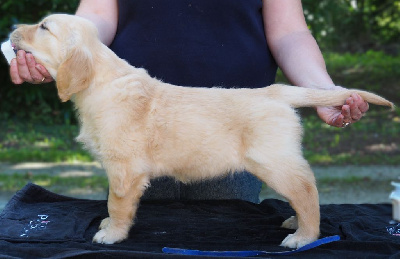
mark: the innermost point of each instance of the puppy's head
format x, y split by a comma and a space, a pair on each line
63, 44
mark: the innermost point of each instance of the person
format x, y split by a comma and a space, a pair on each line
226, 43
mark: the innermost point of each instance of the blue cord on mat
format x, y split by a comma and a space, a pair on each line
180, 251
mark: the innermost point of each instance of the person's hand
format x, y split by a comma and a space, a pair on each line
25, 69
353, 110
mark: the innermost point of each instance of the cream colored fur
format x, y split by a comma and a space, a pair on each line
141, 128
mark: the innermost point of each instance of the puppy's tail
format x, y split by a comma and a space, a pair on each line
306, 97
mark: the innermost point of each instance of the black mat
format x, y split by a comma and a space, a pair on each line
40, 224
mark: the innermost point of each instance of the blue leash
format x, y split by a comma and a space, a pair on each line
180, 251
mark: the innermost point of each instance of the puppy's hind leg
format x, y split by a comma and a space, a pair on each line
126, 188
295, 181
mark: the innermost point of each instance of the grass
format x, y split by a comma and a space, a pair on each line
21, 142
55, 183
373, 140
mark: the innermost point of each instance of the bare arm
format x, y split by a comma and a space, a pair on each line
103, 13
299, 57
294, 48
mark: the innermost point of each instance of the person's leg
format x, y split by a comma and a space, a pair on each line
241, 186
163, 188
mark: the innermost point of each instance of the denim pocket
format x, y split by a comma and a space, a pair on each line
36, 215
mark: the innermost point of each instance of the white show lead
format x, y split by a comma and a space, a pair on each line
8, 51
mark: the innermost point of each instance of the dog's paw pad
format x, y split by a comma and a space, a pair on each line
291, 223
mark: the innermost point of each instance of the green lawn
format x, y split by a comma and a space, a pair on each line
373, 140
22, 142
55, 183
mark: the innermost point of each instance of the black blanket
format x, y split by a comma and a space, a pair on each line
39, 224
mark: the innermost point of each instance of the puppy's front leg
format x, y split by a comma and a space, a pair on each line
126, 189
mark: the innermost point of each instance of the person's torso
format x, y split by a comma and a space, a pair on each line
196, 42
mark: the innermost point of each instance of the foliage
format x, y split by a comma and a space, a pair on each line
28, 11
355, 25
26, 101
373, 71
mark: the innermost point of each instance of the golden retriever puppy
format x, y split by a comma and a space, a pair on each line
141, 128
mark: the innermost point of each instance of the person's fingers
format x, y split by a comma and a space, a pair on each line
45, 73
331, 115
364, 107
338, 121
35, 74
352, 111
23, 69
15, 78
355, 113
359, 102
346, 113
358, 107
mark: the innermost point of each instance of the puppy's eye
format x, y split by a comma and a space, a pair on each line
43, 27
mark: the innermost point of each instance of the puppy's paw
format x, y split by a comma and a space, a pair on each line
104, 223
109, 236
109, 233
296, 240
291, 223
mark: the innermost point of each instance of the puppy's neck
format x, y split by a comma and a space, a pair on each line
110, 67
112, 72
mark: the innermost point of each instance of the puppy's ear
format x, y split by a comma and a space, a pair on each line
74, 74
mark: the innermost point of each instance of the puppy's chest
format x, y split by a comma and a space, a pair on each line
89, 137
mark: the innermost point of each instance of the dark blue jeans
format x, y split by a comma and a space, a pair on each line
242, 186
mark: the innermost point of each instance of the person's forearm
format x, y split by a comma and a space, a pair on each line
300, 59
292, 45
298, 55
104, 14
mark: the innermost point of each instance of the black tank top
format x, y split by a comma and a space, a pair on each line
196, 42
